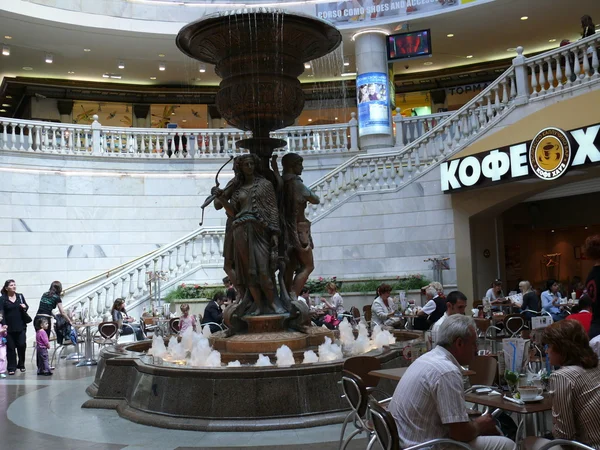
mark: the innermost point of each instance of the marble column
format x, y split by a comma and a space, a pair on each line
371, 56
65, 110
141, 116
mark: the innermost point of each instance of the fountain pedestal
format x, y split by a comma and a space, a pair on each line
265, 324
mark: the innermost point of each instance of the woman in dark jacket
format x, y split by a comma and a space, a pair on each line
51, 300
12, 305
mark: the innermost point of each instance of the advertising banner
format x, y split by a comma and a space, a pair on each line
354, 11
373, 104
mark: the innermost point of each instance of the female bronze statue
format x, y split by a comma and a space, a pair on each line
251, 241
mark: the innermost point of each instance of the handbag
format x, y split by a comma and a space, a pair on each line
24, 315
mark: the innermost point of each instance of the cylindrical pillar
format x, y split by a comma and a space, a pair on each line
374, 114
141, 116
65, 110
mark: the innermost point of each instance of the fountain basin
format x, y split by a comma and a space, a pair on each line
225, 398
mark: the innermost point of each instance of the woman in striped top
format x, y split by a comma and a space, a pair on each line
576, 385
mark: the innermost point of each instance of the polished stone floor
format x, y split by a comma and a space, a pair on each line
45, 412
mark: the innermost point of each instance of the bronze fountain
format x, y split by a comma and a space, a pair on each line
259, 54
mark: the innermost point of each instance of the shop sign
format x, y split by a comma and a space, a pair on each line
358, 11
467, 89
550, 154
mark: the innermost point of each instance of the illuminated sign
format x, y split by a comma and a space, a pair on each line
550, 154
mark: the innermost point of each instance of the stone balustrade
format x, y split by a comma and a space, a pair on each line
96, 140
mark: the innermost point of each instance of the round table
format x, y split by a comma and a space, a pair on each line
88, 358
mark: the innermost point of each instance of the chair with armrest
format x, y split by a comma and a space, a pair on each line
386, 431
174, 325
514, 324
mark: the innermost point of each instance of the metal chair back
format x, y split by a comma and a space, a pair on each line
514, 323
384, 426
355, 392
174, 325
108, 330
361, 366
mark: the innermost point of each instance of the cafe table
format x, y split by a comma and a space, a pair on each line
397, 373
88, 358
498, 402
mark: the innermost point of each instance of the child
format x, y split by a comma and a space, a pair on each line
41, 346
3, 333
186, 320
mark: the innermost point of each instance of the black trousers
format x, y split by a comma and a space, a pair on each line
15, 346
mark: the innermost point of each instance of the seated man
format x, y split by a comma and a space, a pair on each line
584, 316
456, 303
213, 313
552, 300
429, 401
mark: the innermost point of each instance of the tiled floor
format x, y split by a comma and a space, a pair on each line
45, 412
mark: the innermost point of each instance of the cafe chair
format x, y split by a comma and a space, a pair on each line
107, 334
565, 443
514, 324
361, 366
357, 396
124, 338
485, 368
493, 340
386, 431
174, 325
367, 315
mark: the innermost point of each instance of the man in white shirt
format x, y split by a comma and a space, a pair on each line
456, 303
429, 401
433, 309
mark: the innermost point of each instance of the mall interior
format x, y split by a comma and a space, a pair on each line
448, 140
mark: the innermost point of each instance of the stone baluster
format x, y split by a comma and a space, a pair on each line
165, 145
400, 171
147, 267
4, 136
107, 302
202, 137
211, 147
586, 66
119, 142
542, 78
566, 56
550, 75
30, 133
534, 80
124, 286
141, 280
132, 283
488, 110
55, 148
559, 73
576, 66
595, 62
98, 307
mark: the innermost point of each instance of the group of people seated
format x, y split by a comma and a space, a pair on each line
429, 401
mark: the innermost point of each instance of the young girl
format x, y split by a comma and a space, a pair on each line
3, 334
186, 320
41, 347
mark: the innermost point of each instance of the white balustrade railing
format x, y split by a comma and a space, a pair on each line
96, 140
409, 129
564, 68
202, 247
381, 172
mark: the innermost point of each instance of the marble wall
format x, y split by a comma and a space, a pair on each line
388, 234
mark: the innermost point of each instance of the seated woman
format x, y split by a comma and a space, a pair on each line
551, 301
336, 303
531, 301
383, 308
126, 325
495, 294
576, 385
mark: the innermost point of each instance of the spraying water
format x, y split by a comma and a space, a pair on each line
285, 357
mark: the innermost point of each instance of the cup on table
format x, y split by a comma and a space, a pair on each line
529, 392
573, 295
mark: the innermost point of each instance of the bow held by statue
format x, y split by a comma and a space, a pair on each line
215, 191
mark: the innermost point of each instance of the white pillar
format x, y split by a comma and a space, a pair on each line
371, 56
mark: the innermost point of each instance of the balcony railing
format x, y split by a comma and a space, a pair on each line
96, 140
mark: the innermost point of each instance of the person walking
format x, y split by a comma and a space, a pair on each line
51, 300
14, 314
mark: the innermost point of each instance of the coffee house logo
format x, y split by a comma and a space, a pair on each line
550, 154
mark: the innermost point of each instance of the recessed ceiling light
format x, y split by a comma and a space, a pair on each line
2, 110
450, 35
27, 68
335, 118
87, 49
6, 105
161, 67
428, 63
512, 49
121, 65
310, 120
184, 120
311, 75
469, 56
49, 58
347, 74
172, 113
70, 72
161, 55
346, 63
553, 231
8, 37
9, 96
6, 50
202, 68
551, 40
307, 65
524, 18
586, 228
153, 78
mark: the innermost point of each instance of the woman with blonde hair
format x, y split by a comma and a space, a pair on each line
531, 301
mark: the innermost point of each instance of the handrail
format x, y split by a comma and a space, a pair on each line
557, 51
107, 272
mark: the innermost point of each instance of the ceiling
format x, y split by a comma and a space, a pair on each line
484, 32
